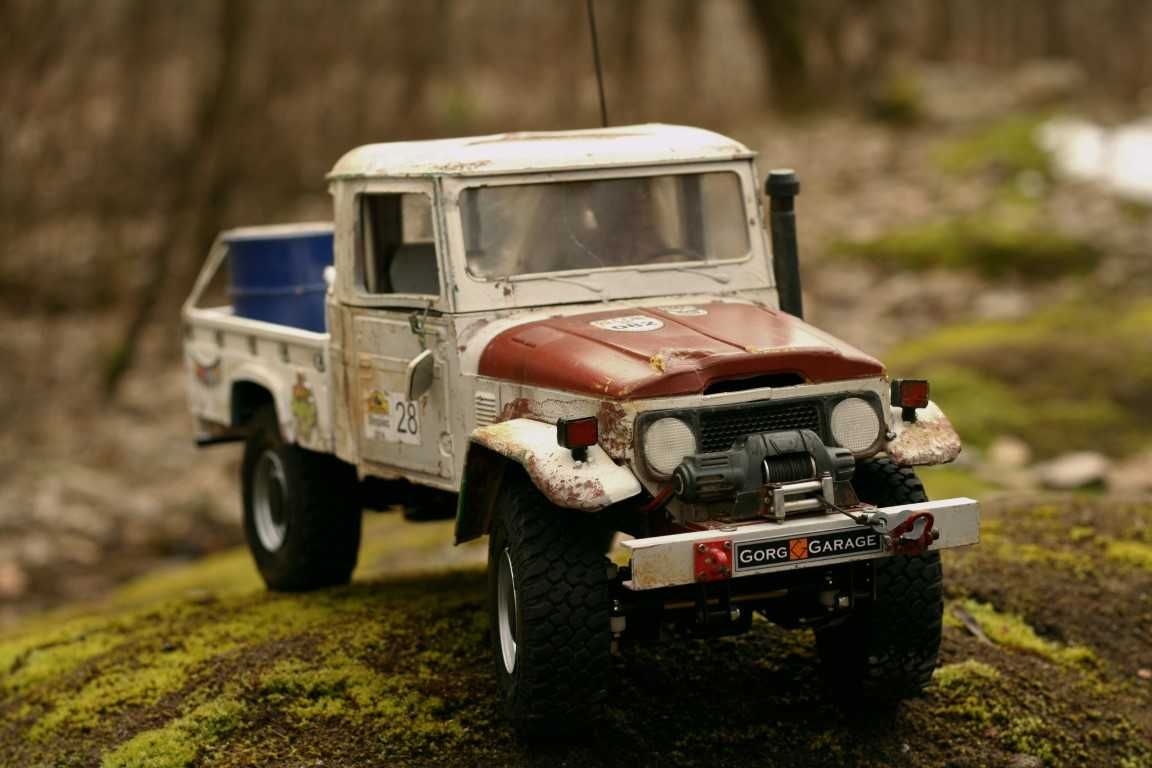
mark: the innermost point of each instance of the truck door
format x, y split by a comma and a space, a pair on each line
392, 319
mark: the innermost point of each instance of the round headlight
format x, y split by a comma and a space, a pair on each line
855, 424
666, 442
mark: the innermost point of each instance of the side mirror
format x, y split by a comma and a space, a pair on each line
418, 377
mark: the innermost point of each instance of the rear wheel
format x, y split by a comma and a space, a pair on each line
889, 647
301, 511
549, 606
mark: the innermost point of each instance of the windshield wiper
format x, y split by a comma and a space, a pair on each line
718, 278
586, 286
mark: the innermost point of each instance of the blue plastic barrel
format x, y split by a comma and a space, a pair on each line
278, 273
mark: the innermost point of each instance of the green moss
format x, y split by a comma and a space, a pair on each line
946, 481
340, 686
1045, 512
997, 243
898, 100
1031, 735
965, 689
1079, 564
995, 378
217, 575
1011, 631
967, 674
161, 660
1080, 533
34, 659
387, 541
390, 672
1008, 146
179, 743
980, 703
1135, 553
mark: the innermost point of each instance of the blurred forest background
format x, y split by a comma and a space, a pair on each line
938, 225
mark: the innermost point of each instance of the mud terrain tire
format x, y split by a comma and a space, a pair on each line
549, 608
888, 648
301, 511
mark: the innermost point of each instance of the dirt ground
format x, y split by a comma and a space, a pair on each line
1046, 661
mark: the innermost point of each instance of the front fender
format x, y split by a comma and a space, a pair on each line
930, 439
588, 485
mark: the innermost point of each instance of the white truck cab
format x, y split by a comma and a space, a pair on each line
561, 337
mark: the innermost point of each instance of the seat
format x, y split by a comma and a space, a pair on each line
413, 269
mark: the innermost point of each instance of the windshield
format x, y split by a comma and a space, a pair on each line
522, 229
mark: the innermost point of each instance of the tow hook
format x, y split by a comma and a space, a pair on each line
914, 535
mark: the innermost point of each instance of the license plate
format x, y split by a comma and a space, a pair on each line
754, 555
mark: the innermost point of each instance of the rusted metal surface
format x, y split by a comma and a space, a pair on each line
531, 152
665, 561
547, 409
634, 352
589, 485
930, 439
616, 428
613, 419
520, 407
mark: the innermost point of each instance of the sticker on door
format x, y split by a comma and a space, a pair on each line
391, 418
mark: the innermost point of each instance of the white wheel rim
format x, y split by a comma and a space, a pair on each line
269, 493
506, 610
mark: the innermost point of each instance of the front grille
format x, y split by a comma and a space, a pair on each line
720, 426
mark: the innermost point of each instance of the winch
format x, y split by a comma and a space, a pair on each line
771, 474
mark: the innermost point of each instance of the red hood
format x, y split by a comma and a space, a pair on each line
677, 350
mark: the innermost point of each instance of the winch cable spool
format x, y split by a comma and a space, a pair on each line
789, 468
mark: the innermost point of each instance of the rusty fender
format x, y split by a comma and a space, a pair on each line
928, 440
588, 485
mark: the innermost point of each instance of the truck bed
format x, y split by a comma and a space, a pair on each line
234, 365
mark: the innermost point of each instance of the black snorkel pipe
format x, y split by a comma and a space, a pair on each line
782, 186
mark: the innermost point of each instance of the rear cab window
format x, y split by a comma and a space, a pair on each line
396, 247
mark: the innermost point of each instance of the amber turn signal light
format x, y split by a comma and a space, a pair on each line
910, 393
577, 435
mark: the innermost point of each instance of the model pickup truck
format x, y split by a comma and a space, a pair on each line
566, 340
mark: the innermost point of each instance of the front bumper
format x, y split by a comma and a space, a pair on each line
808, 542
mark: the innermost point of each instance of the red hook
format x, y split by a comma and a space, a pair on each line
903, 541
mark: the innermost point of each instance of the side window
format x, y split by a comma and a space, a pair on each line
397, 252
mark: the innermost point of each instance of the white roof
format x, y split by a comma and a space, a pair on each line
628, 145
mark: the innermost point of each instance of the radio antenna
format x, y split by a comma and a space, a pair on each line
596, 61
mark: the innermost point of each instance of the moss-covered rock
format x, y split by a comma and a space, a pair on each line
1011, 631
1076, 375
190, 670
1002, 241
1008, 146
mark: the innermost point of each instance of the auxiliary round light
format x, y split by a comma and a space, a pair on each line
855, 424
666, 442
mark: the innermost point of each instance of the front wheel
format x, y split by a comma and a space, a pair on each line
549, 607
890, 645
301, 511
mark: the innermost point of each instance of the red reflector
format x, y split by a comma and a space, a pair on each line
712, 560
577, 433
911, 393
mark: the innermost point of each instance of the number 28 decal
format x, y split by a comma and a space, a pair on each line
389, 417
